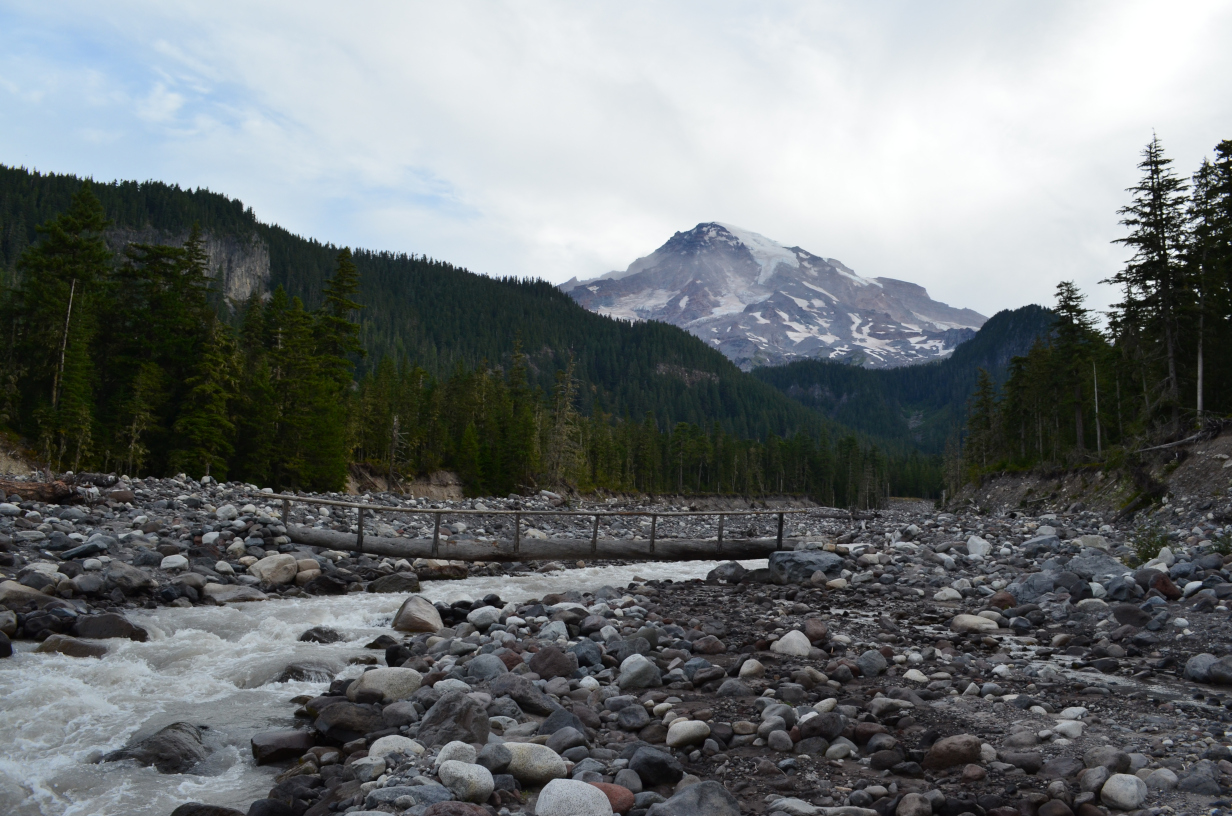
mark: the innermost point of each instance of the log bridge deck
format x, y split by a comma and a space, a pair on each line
537, 549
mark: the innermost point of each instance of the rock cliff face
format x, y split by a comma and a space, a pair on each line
240, 264
762, 303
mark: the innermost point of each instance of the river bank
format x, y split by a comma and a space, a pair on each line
911, 664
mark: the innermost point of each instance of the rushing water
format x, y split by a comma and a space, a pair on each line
210, 666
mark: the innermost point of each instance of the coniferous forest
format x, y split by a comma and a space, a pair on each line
1158, 371
124, 356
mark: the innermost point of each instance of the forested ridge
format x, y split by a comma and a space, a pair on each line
920, 405
128, 360
1157, 371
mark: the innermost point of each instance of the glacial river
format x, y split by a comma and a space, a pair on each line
213, 667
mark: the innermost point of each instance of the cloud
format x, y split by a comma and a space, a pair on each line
978, 149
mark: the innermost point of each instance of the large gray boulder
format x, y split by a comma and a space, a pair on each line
1096, 565
174, 749
797, 566
702, 799
455, 716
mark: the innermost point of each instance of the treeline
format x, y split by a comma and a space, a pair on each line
122, 362
500, 434
1086, 393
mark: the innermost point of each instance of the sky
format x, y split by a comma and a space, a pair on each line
979, 149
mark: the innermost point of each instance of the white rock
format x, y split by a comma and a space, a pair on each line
947, 594
795, 643
209, 538
1073, 713
395, 744
978, 547
572, 797
275, 569
916, 676
470, 783
1070, 729
536, 764
456, 751
174, 562
231, 593
226, 513
1123, 792
751, 669
972, 623
483, 617
687, 732
1191, 588
223, 568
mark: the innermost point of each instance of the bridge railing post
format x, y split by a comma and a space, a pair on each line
436, 536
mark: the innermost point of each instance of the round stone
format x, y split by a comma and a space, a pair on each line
470, 783
1123, 792
687, 732
794, 644
571, 797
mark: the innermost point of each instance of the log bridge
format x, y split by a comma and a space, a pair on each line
543, 549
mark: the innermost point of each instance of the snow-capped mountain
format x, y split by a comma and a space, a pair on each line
761, 303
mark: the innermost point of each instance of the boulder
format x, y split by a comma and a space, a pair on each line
71, 646
637, 672
872, 663
340, 723
455, 716
1096, 565
957, 750
533, 764
794, 644
394, 744
972, 623
1123, 792
682, 733
275, 570
702, 799
523, 692
129, 580
275, 746
798, 566
109, 625
978, 547
470, 783
1030, 588
201, 809
570, 797
619, 798
654, 767
232, 593
551, 662
485, 667
397, 582
174, 749
394, 684
417, 614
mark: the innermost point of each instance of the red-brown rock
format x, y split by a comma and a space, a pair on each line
620, 797
1002, 600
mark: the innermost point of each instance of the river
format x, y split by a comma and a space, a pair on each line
214, 667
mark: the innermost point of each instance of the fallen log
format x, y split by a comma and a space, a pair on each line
46, 492
545, 549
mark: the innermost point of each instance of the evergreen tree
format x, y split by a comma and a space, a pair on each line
1153, 282
204, 428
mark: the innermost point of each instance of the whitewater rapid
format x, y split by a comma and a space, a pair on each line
213, 667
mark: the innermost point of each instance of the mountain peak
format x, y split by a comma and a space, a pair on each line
763, 303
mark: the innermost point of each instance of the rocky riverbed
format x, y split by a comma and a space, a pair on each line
915, 663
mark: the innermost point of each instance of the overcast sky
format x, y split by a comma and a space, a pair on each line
980, 149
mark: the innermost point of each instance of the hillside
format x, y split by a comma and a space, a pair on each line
433, 313
920, 404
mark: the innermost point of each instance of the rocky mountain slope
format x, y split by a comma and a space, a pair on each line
761, 303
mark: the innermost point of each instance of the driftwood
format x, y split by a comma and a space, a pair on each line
544, 549
46, 492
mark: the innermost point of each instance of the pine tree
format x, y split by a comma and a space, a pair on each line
1153, 281
1074, 328
204, 428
